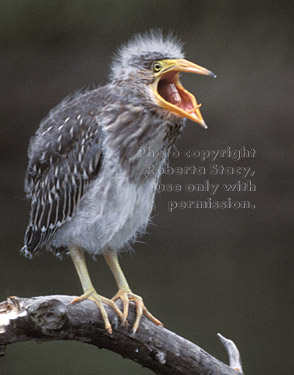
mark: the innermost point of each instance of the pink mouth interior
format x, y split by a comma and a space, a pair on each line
169, 91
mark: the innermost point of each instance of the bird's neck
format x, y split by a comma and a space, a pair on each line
140, 139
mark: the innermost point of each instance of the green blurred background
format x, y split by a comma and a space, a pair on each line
199, 271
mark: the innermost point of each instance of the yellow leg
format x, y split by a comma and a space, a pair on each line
125, 294
90, 293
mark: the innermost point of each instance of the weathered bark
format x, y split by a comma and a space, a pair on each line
162, 351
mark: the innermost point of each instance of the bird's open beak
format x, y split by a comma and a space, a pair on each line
171, 95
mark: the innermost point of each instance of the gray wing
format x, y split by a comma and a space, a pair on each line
64, 157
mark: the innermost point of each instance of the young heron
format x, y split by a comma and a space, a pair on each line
89, 186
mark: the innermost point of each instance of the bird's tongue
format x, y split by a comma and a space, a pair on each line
171, 94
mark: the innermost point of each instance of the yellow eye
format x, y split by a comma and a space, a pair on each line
156, 67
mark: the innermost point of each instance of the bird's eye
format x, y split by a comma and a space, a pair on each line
156, 67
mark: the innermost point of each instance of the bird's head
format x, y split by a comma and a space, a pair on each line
150, 65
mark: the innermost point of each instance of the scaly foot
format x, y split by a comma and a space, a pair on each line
127, 296
92, 295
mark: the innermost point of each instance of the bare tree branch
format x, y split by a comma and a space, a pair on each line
162, 351
233, 353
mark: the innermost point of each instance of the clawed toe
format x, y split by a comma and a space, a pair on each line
126, 297
92, 295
